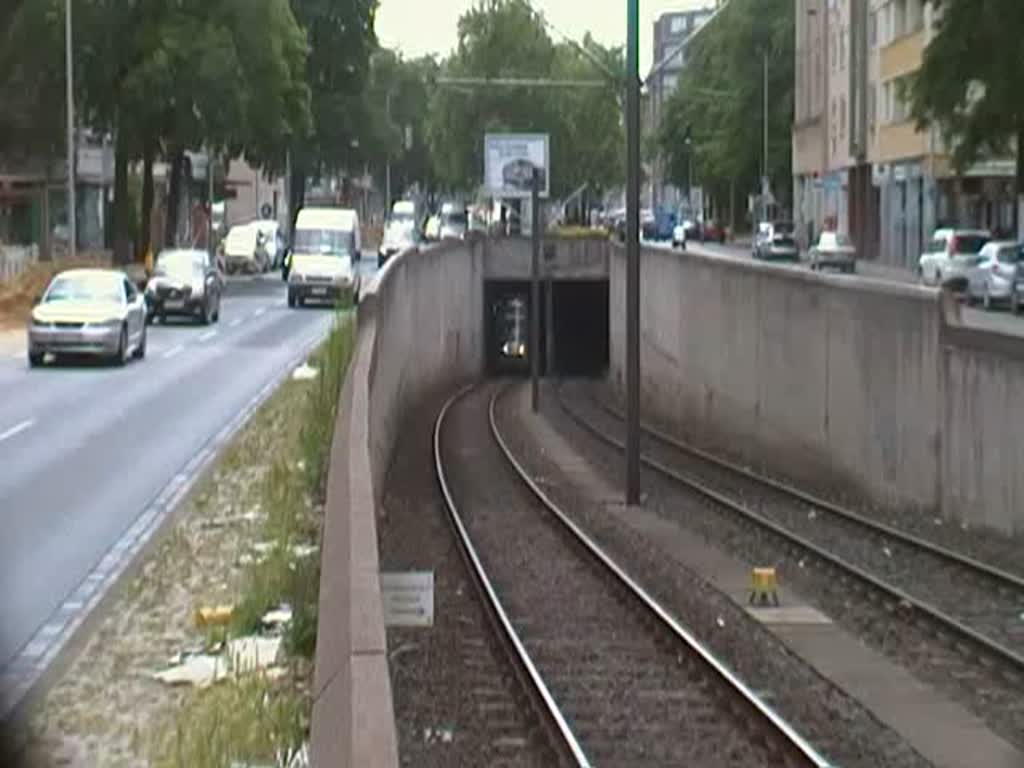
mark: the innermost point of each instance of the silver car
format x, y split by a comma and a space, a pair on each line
185, 283
949, 255
993, 275
834, 250
88, 311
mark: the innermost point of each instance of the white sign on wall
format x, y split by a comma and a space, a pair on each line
408, 598
509, 160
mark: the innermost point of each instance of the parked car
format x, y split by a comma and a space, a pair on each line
685, 231
271, 240
242, 251
776, 241
834, 250
185, 283
995, 273
88, 311
454, 222
950, 253
713, 231
398, 236
320, 264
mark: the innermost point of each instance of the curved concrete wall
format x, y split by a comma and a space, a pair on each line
420, 329
838, 383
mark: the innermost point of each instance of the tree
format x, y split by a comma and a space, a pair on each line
505, 38
341, 39
969, 82
720, 96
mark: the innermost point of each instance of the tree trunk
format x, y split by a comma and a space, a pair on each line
122, 205
174, 197
147, 197
1019, 209
296, 193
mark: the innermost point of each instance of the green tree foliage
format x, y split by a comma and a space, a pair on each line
341, 40
504, 38
970, 80
721, 97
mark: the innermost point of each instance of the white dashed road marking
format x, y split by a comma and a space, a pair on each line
236, 322
173, 352
207, 336
17, 429
260, 311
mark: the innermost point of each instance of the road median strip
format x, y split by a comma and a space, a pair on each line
247, 538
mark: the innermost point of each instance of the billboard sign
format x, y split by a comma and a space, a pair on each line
509, 160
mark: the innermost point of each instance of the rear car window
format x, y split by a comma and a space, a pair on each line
937, 245
970, 243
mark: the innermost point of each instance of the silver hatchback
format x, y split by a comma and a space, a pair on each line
995, 273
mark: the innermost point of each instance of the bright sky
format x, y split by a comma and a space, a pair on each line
418, 27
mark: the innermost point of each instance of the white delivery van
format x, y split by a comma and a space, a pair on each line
321, 265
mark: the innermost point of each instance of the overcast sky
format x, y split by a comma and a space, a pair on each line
418, 27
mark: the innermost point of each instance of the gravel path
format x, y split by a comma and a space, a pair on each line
457, 702
832, 721
900, 635
630, 694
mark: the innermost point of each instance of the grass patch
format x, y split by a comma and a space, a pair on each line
249, 718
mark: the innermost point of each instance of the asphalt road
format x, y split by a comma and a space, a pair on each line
86, 449
999, 320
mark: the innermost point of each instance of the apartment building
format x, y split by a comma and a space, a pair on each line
670, 30
860, 164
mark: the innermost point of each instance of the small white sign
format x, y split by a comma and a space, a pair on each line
408, 598
509, 160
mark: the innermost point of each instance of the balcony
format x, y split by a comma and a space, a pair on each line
899, 141
901, 56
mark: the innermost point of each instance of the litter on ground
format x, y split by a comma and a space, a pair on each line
304, 372
214, 615
278, 617
241, 655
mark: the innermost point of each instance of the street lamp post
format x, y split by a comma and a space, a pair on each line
632, 252
70, 82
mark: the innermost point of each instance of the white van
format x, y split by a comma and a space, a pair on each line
325, 246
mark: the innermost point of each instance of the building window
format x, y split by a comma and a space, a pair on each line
899, 22
668, 84
676, 24
842, 49
900, 108
842, 117
872, 106
873, 29
887, 102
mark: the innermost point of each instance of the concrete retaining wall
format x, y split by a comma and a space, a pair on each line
841, 384
420, 328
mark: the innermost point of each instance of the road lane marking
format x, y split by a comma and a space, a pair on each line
173, 352
260, 311
21, 674
17, 429
208, 335
236, 322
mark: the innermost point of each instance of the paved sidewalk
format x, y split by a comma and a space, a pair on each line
12, 342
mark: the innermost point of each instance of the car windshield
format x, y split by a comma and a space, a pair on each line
970, 243
84, 288
783, 228
179, 263
328, 242
456, 219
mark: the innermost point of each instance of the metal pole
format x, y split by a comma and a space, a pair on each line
535, 295
387, 172
632, 252
765, 185
70, 78
209, 205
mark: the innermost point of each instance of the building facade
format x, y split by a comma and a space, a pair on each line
860, 164
670, 30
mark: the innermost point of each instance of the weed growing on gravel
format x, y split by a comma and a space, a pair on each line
248, 719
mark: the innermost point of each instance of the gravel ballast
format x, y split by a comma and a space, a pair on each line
632, 693
936, 657
457, 701
835, 723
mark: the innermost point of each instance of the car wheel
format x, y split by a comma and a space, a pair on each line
1015, 305
986, 299
140, 351
216, 313
291, 299
35, 359
204, 314
121, 356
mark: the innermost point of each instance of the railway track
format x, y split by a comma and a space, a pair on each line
972, 607
615, 678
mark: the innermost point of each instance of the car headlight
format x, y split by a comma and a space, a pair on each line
113, 322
